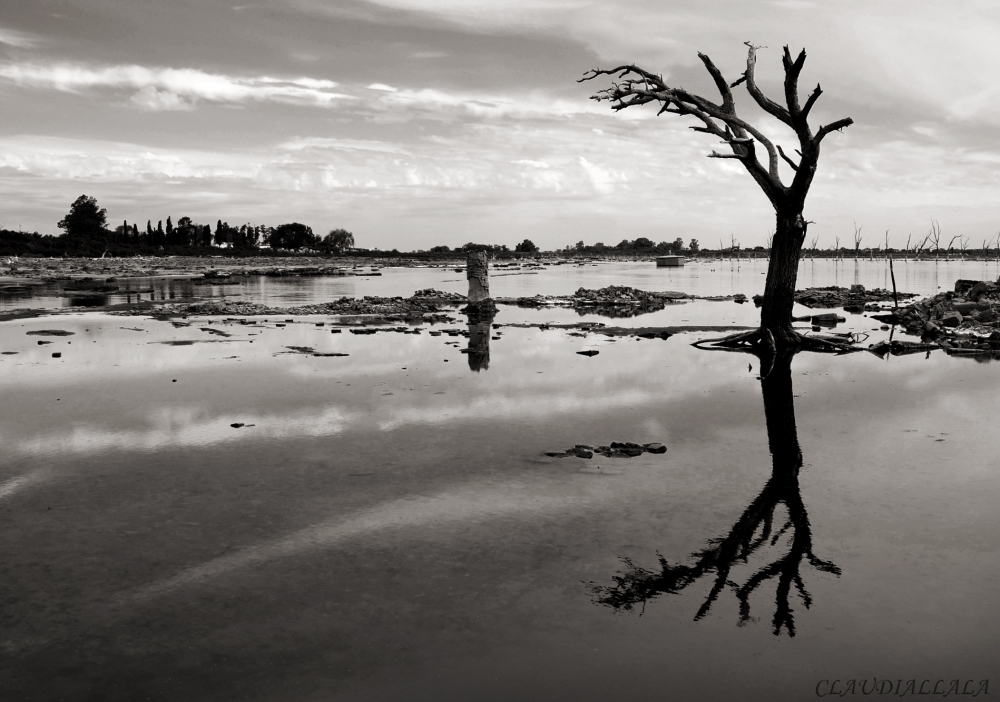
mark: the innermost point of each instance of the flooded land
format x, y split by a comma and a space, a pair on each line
241, 487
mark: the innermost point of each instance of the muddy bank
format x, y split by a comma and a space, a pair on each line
613, 301
60, 269
423, 305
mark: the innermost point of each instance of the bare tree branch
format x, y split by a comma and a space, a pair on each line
790, 162
766, 103
832, 127
810, 101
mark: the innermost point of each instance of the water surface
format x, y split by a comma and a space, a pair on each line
385, 525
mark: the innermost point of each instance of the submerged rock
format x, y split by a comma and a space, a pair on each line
617, 449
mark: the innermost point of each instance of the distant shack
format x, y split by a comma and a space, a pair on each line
670, 261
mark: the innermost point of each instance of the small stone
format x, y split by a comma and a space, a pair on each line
57, 355
589, 352
237, 425
655, 448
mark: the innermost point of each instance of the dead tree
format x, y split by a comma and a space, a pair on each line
756, 528
812, 245
947, 252
637, 86
934, 237
857, 240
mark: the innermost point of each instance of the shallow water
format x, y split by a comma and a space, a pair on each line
702, 277
385, 525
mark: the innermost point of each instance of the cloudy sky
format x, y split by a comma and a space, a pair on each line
421, 122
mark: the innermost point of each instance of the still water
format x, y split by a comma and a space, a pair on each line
386, 526
700, 277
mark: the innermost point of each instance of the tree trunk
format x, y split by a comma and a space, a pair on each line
782, 271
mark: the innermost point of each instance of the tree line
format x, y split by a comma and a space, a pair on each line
86, 233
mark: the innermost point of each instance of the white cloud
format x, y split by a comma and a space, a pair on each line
19, 40
172, 88
604, 180
382, 86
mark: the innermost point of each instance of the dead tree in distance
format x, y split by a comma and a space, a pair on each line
637, 86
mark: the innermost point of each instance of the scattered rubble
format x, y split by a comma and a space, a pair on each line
854, 299
612, 301
959, 316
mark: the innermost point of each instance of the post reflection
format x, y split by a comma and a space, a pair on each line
478, 351
782, 549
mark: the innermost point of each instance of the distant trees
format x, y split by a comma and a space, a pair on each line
489, 248
292, 236
85, 219
87, 233
526, 246
693, 246
338, 241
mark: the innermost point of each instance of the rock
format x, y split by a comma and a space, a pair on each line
854, 308
655, 448
50, 332
57, 355
951, 319
758, 300
237, 425
739, 298
962, 285
588, 352
556, 454
827, 320
978, 290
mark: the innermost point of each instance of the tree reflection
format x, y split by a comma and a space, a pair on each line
755, 530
